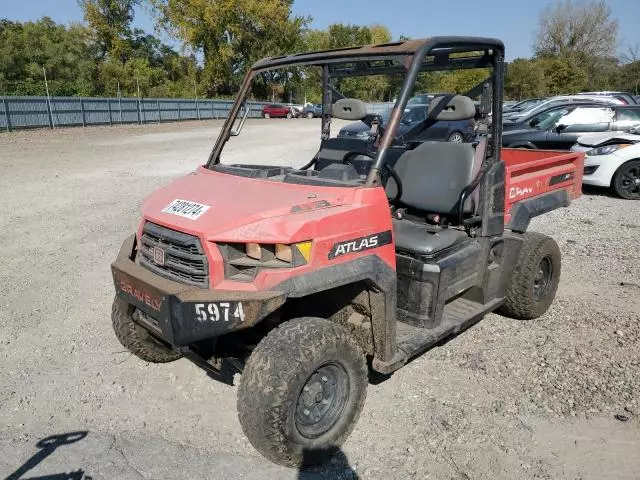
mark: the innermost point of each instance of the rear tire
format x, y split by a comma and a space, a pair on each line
266, 115
626, 180
301, 391
456, 137
309, 115
137, 339
535, 278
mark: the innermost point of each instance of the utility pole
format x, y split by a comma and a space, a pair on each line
195, 91
46, 87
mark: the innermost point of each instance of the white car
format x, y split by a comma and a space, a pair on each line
612, 160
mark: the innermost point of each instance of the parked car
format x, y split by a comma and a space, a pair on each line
297, 108
312, 110
622, 96
456, 131
559, 128
422, 98
517, 107
539, 115
273, 110
558, 100
612, 161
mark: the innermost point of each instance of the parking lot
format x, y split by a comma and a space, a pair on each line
554, 398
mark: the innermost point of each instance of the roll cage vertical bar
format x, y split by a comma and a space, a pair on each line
325, 128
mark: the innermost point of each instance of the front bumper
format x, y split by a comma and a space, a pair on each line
182, 314
602, 168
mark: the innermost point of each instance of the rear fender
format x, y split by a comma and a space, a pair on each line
523, 211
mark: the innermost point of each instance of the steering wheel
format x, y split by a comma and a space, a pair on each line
347, 160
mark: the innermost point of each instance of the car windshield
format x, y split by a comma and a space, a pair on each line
547, 120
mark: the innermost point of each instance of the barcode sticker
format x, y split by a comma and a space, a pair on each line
186, 209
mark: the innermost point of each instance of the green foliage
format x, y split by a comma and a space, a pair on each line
231, 34
76, 65
525, 79
222, 38
109, 21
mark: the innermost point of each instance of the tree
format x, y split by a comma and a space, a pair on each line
578, 30
629, 73
563, 76
525, 78
461, 81
27, 48
231, 34
110, 20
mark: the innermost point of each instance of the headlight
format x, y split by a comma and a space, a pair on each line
242, 261
363, 134
605, 150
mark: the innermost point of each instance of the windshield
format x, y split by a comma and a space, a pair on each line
272, 117
547, 120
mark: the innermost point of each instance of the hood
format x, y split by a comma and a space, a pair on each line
601, 139
207, 203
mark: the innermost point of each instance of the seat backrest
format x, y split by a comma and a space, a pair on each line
458, 107
433, 175
349, 109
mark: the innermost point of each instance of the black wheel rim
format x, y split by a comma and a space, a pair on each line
542, 281
321, 400
630, 181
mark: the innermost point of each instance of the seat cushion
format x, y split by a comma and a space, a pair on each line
424, 239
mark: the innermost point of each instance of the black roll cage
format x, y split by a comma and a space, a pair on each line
409, 58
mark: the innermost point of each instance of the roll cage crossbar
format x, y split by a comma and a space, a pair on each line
409, 58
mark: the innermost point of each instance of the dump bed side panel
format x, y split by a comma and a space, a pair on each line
529, 173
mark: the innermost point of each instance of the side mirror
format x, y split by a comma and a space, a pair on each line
559, 128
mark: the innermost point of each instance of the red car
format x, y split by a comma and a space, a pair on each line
273, 110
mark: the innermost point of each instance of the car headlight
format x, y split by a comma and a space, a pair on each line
363, 134
604, 150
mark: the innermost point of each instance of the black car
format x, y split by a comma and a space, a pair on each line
458, 131
559, 127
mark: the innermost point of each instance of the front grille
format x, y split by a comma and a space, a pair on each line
184, 257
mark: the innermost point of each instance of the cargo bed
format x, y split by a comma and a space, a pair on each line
532, 173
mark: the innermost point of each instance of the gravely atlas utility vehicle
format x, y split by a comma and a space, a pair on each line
306, 279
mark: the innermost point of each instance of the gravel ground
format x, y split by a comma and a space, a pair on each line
553, 398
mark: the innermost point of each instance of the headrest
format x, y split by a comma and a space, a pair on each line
458, 108
349, 109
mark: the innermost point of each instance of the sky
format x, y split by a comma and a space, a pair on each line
512, 21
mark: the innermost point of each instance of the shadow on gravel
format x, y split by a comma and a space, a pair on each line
47, 446
326, 464
599, 192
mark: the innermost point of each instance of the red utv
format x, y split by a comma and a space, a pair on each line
278, 111
306, 277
